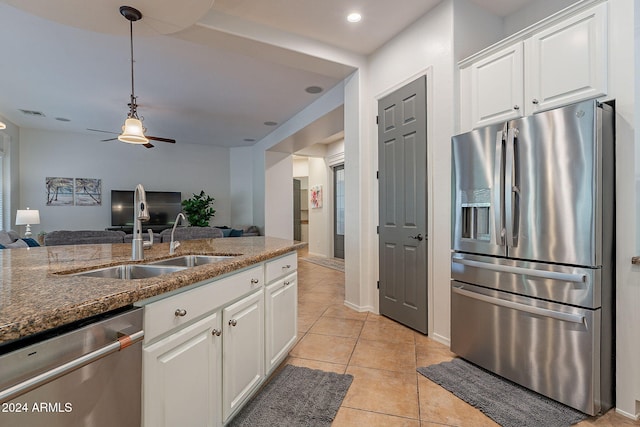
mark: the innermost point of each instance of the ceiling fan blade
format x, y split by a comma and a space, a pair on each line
110, 139
155, 138
148, 145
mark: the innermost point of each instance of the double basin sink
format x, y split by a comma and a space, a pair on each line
153, 269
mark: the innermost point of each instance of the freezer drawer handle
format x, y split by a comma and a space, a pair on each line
59, 371
554, 275
566, 317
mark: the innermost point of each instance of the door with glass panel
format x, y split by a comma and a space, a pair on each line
338, 211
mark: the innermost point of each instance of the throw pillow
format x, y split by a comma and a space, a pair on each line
32, 243
235, 233
5, 238
17, 244
226, 232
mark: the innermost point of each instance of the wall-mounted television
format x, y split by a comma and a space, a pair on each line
163, 207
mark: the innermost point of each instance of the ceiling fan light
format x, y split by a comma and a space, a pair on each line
133, 132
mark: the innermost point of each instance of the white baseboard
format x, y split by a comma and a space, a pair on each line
359, 308
626, 414
442, 340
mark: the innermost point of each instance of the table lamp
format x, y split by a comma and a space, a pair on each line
27, 217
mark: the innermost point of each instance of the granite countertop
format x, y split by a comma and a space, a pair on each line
36, 295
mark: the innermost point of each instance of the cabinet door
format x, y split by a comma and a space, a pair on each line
182, 376
496, 87
281, 317
243, 350
567, 62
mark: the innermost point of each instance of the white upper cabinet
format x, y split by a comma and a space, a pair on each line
567, 62
497, 86
554, 63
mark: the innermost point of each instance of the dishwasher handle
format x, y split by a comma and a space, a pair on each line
26, 386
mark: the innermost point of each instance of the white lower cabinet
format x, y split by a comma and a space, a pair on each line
204, 352
182, 376
281, 301
243, 351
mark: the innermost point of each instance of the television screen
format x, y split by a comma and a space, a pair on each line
163, 207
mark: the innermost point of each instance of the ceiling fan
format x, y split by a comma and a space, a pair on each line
133, 131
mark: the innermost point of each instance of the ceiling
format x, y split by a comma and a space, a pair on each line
203, 72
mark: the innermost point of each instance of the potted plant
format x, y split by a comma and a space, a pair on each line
198, 209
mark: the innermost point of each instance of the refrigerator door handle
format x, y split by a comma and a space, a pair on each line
558, 315
498, 190
509, 186
543, 274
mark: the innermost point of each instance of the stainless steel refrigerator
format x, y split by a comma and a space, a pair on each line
533, 252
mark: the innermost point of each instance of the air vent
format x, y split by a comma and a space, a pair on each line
33, 113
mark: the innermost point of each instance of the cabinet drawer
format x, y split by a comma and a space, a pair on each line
282, 266
178, 310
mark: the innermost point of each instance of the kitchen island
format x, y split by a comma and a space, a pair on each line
37, 292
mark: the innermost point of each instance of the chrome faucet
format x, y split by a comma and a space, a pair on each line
174, 245
141, 213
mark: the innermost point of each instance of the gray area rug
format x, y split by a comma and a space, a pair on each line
297, 396
507, 403
334, 263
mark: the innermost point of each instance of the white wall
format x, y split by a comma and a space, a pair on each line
532, 13
426, 47
279, 200
241, 186
622, 79
187, 168
320, 225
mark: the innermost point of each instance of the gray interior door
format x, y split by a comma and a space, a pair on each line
338, 211
402, 159
297, 223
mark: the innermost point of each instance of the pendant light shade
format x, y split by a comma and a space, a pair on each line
2, 125
133, 132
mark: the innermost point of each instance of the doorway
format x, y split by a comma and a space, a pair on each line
402, 181
338, 211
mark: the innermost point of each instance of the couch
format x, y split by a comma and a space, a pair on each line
191, 233
81, 237
11, 240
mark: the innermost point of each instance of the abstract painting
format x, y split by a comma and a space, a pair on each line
88, 192
59, 191
316, 196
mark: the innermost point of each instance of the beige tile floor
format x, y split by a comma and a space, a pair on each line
382, 356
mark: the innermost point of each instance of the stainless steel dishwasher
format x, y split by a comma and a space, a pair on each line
85, 374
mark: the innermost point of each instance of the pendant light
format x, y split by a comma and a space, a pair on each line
132, 131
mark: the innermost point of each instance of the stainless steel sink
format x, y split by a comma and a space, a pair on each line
131, 271
190, 260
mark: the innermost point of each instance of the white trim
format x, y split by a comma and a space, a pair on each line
530, 30
360, 309
400, 85
634, 417
440, 339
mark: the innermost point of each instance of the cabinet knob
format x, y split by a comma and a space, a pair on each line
216, 332
516, 107
535, 101
180, 312
255, 281
287, 283
288, 266
233, 322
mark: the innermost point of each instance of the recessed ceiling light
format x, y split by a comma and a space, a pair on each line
314, 89
270, 123
354, 17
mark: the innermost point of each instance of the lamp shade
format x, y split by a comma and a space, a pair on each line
133, 132
27, 216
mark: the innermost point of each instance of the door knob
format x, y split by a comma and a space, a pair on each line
418, 237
